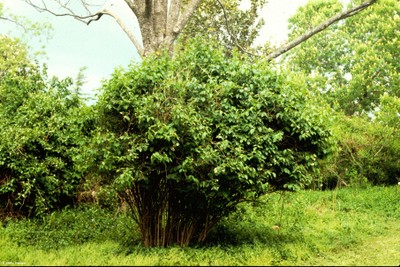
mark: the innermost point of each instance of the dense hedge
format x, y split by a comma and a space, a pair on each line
43, 126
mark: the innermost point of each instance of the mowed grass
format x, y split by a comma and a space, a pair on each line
350, 226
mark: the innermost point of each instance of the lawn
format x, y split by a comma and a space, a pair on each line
349, 226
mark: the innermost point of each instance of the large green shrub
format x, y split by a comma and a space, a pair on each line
192, 136
38, 148
42, 128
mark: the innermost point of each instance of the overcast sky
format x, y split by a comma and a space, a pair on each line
103, 45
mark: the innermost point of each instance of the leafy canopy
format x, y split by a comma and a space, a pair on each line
42, 128
354, 62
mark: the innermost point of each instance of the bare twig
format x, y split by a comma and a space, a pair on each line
125, 28
87, 19
14, 21
230, 32
70, 13
98, 16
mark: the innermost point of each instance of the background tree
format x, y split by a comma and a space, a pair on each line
226, 22
353, 63
18, 74
28, 30
162, 21
354, 67
368, 153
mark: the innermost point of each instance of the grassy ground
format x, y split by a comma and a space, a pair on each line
358, 227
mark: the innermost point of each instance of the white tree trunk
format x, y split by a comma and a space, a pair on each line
161, 21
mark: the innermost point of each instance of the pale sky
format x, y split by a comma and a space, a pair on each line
103, 45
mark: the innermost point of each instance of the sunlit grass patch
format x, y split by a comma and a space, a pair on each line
318, 228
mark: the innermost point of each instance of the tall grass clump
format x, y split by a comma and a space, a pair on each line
73, 226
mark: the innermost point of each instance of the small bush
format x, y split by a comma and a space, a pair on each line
368, 154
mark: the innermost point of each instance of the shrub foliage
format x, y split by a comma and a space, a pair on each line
368, 153
42, 127
194, 135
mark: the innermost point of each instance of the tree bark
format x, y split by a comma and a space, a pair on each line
160, 21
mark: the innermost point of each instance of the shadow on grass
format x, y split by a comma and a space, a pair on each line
77, 226
246, 234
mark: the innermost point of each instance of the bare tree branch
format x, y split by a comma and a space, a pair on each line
230, 32
175, 24
173, 15
44, 8
345, 14
98, 16
169, 25
190, 9
14, 21
125, 28
87, 19
133, 6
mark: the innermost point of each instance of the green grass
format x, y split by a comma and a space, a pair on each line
319, 228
